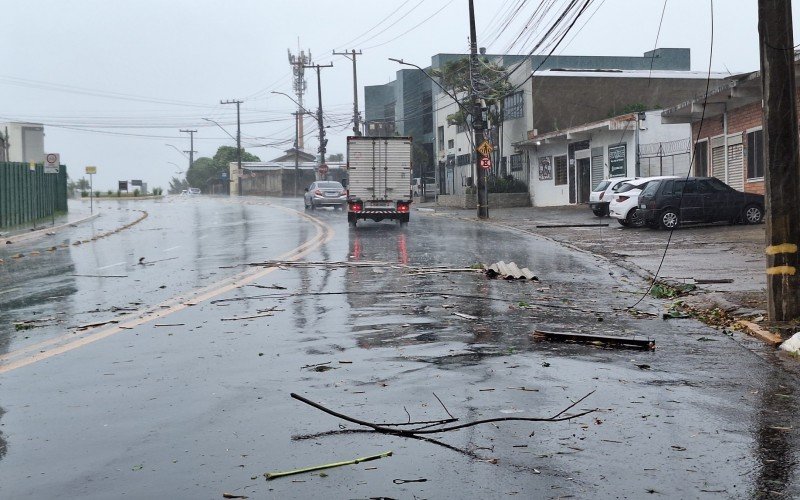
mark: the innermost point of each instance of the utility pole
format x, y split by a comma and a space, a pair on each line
477, 119
297, 118
191, 145
238, 142
782, 172
352, 55
322, 140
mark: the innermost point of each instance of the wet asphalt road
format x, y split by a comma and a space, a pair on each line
190, 401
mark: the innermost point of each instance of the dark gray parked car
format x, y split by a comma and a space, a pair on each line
668, 203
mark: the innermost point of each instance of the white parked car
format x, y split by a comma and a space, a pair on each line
601, 195
625, 203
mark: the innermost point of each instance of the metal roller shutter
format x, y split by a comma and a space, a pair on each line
598, 170
735, 167
718, 163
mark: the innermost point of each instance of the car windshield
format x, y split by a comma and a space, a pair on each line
329, 185
602, 186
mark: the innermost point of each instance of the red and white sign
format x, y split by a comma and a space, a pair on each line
486, 162
323, 169
51, 163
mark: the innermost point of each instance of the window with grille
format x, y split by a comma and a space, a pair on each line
516, 163
560, 170
514, 106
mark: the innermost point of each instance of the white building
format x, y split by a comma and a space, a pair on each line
25, 142
566, 164
454, 144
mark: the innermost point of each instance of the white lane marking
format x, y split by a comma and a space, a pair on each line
111, 265
172, 248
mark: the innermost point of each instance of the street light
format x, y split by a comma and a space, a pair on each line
221, 127
296, 136
178, 150
178, 166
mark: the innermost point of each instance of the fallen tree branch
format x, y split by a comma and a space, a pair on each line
274, 475
415, 432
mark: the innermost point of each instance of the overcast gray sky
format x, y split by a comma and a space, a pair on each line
113, 81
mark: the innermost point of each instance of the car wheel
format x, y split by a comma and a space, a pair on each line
753, 214
623, 222
636, 218
669, 219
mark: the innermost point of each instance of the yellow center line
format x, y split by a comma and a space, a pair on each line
67, 342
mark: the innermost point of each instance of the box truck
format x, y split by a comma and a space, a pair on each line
378, 179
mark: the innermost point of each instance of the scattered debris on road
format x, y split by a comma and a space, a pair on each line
438, 426
93, 325
274, 475
554, 226
600, 340
509, 271
466, 316
792, 344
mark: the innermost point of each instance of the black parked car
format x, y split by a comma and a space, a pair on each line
667, 203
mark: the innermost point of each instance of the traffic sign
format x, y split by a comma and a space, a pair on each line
485, 148
323, 169
91, 170
51, 163
486, 162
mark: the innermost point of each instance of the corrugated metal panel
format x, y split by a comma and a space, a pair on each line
718, 163
379, 168
735, 167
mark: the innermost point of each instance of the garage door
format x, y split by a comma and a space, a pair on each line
735, 167
718, 159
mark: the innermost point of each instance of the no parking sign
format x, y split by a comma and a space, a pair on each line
51, 163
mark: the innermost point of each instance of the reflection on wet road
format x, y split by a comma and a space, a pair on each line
200, 404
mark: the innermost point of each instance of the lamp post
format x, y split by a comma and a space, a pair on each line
300, 111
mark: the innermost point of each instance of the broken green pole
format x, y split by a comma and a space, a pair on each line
275, 475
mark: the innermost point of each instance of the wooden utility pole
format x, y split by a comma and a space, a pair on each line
352, 55
782, 172
238, 142
478, 125
191, 145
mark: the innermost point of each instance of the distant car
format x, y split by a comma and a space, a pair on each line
669, 203
601, 195
193, 191
423, 185
325, 194
625, 203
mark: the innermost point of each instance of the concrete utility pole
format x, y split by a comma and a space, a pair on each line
477, 118
782, 172
191, 145
238, 142
352, 55
322, 140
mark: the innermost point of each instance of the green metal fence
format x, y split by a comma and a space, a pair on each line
28, 194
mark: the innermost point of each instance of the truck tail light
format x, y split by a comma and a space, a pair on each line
402, 207
356, 206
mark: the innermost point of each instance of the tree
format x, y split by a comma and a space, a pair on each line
82, 184
204, 171
177, 185
336, 157
491, 84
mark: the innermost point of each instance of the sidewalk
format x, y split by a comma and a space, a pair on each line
695, 253
78, 211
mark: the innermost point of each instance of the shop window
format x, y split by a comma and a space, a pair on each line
560, 170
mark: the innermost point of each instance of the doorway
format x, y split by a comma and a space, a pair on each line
584, 179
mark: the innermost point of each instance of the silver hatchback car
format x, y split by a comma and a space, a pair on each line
325, 194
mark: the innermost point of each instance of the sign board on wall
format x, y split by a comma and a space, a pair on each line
545, 168
123, 185
136, 182
617, 160
51, 163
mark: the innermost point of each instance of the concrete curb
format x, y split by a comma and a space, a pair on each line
44, 232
